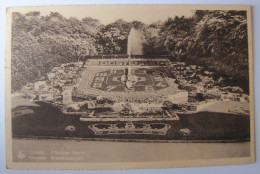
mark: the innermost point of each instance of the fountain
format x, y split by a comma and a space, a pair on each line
135, 43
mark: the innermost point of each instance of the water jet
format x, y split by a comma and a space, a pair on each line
135, 43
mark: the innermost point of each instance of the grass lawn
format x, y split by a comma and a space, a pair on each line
47, 121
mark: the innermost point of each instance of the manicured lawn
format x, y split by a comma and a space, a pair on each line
47, 121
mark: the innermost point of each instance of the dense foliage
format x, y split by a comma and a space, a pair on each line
214, 39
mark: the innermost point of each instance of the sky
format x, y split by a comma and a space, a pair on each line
109, 13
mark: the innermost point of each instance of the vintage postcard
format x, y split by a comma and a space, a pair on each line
128, 86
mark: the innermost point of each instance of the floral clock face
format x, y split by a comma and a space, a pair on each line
136, 80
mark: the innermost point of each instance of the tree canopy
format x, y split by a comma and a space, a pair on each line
215, 39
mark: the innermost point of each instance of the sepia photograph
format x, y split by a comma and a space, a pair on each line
128, 86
